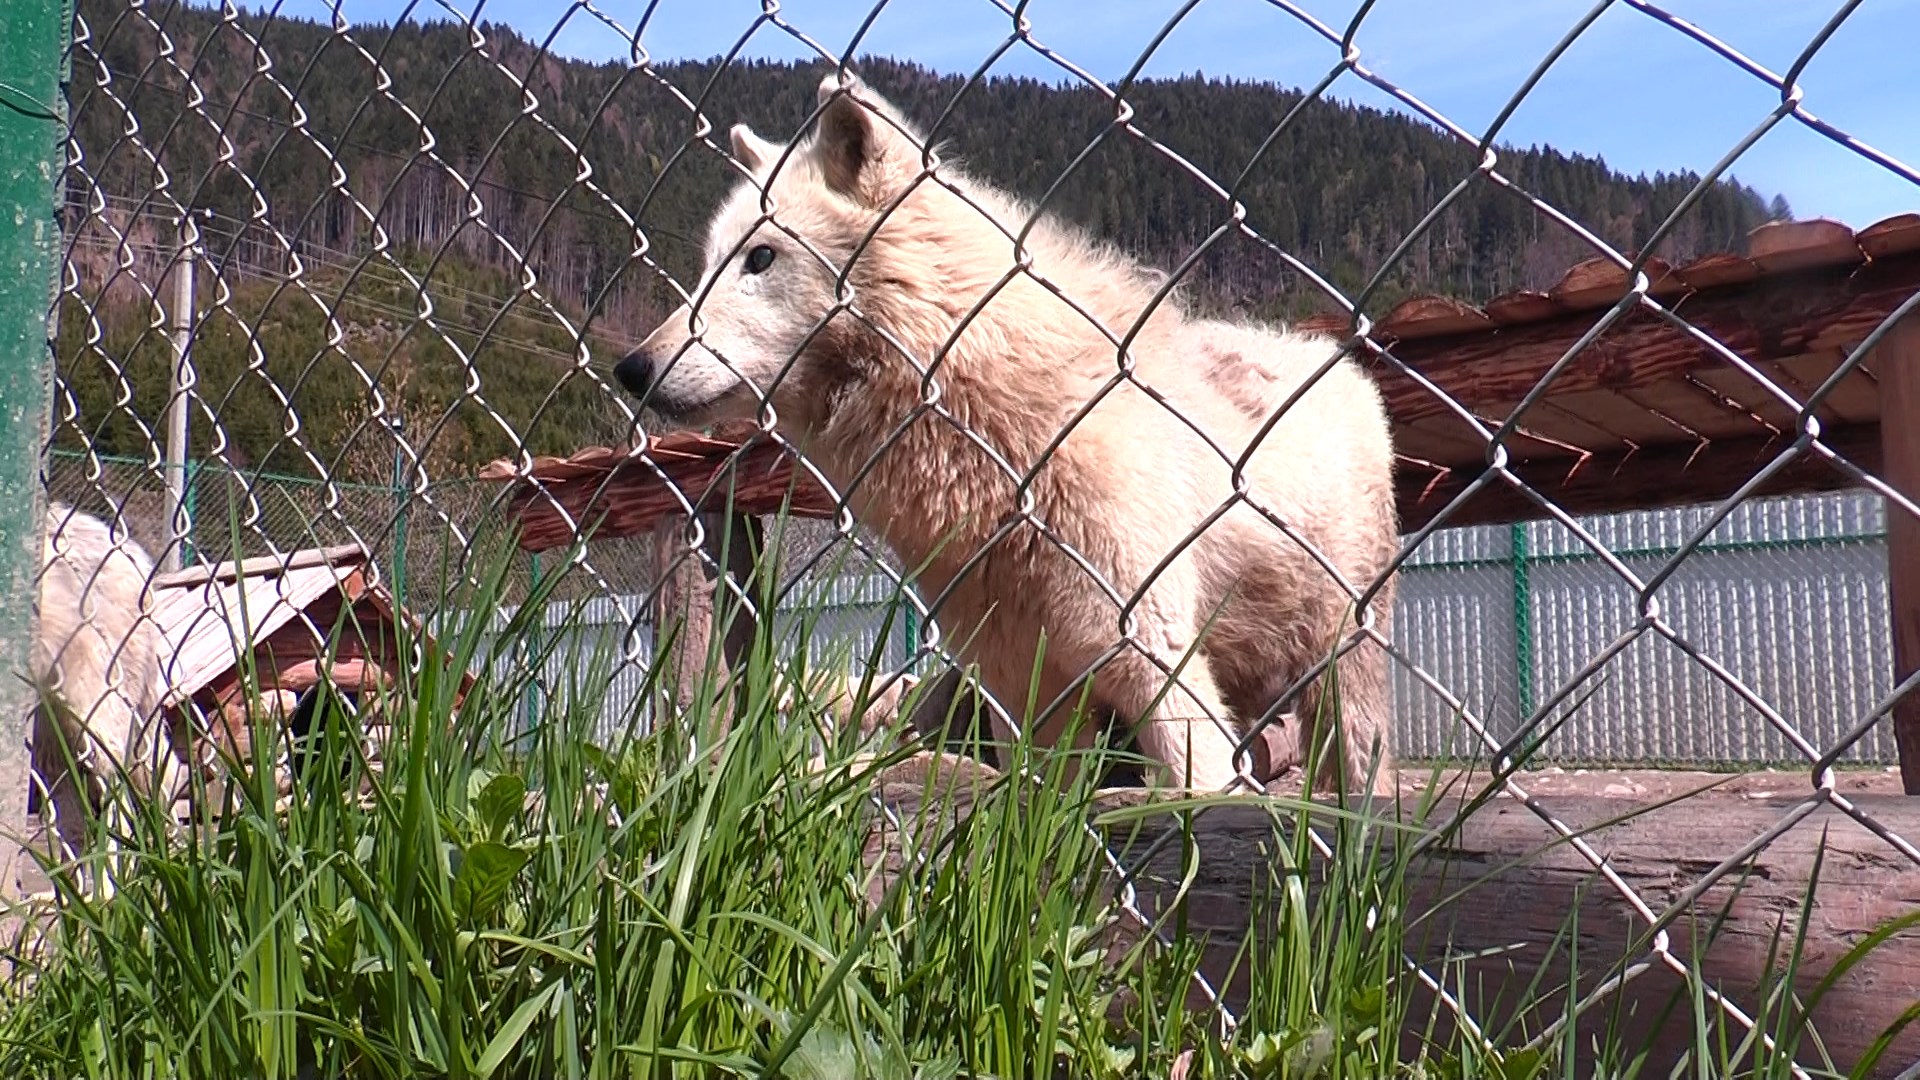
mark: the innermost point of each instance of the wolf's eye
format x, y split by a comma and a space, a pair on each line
759, 259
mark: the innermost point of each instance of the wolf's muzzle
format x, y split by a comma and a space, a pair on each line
636, 372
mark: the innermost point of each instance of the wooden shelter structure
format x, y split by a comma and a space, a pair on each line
300, 619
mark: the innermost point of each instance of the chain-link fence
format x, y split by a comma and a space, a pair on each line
1798, 588
318, 274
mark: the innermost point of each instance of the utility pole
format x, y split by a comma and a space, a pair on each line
179, 525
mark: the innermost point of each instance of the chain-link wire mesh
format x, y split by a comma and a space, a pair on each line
412, 250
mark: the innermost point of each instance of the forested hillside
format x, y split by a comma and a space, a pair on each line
493, 186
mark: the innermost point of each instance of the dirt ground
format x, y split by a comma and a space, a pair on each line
1649, 785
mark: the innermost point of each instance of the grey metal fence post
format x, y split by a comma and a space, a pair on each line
179, 524
33, 120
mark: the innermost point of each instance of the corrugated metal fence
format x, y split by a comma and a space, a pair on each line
1788, 595
595, 649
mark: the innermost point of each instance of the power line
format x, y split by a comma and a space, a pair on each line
363, 303
363, 264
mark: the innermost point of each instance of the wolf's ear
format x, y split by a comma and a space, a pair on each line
864, 147
751, 150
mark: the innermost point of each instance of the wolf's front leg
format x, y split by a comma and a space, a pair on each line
1179, 720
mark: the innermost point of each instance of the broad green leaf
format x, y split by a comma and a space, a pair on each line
486, 872
499, 803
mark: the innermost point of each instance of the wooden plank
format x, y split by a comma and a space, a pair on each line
1558, 419
1523, 306
1432, 316
1653, 477
1896, 235
1703, 411
342, 555
1782, 376
1440, 439
1717, 270
1338, 324
1855, 400
1628, 420
1897, 362
1741, 387
1600, 282
1546, 429
1795, 245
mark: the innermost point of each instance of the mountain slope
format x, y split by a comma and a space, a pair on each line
501, 192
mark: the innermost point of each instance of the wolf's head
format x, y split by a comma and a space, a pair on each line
785, 251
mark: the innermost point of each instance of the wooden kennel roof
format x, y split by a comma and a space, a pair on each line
213, 615
1648, 414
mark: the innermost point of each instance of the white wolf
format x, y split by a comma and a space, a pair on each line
957, 386
97, 656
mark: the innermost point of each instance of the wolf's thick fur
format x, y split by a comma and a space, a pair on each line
1016, 360
97, 654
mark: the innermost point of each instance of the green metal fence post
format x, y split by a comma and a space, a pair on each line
189, 554
1522, 619
33, 121
912, 631
531, 646
402, 501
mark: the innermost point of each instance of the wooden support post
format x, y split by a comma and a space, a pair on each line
1896, 362
735, 542
685, 608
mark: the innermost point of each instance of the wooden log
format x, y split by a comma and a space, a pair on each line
1896, 360
1892, 236
267, 565
1667, 475
1432, 316
1503, 889
1600, 282
1522, 306
1511, 914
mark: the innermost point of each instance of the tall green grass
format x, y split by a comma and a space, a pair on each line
504, 898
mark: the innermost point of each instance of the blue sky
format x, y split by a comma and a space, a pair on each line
1630, 89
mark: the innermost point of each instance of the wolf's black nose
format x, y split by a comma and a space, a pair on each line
635, 372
